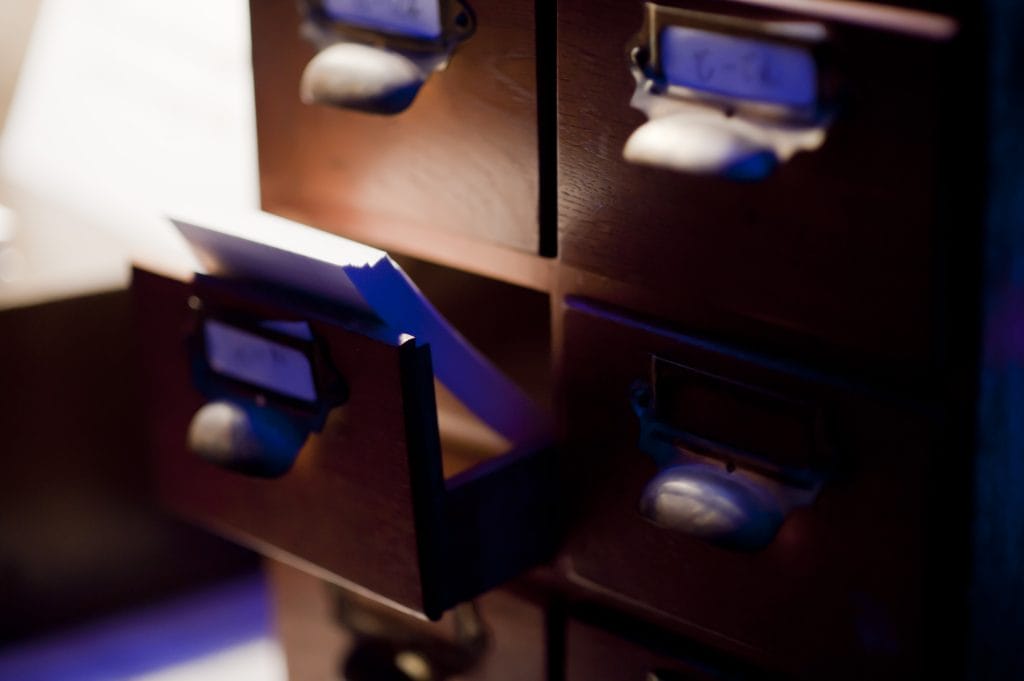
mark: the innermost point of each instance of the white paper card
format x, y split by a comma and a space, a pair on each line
263, 247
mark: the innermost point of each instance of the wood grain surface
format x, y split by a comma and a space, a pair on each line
831, 259
461, 160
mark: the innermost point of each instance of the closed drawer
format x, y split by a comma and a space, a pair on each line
836, 256
461, 160
594, 653
838, 591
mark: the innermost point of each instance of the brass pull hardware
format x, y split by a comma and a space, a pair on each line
374, 57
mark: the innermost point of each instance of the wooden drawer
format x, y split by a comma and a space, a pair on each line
594, 653
462, 160
365, 502
318, 643
838, 593
835, 257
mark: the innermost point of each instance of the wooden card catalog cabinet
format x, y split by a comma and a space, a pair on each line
763, 315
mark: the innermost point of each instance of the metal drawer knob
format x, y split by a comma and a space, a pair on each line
712, 504
248, 439
706, 488
686, 143
374, 56
364, 78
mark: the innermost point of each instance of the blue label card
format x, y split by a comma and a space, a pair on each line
253, 359
411, 18
742, 68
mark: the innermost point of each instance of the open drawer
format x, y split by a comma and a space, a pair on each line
362, 499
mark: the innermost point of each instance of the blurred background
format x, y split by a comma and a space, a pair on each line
113, 113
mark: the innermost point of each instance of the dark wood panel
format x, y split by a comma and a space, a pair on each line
838, 594
316, 645
595, 654
462, 159
833, 258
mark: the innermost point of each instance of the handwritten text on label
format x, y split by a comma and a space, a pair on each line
738, 67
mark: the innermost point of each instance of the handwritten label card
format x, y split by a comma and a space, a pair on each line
412, 18
738, 67
260, 362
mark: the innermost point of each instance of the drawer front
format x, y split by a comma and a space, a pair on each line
833, 256
345, 506
594, 653
462, 158
836, 594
